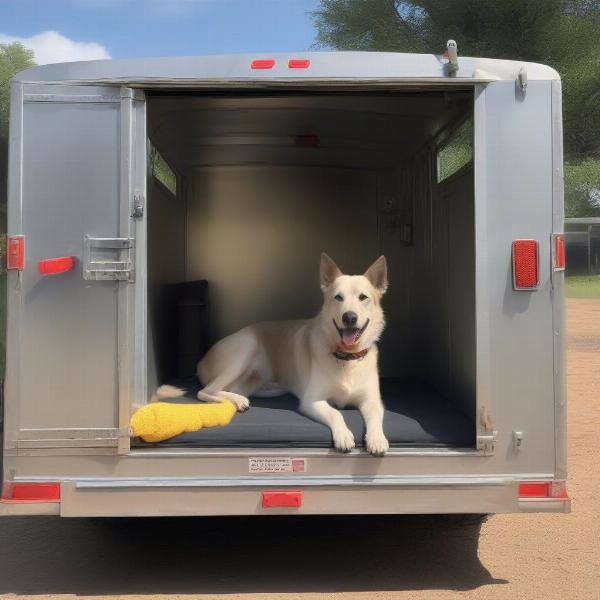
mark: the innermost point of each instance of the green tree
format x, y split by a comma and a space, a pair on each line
13, 58
564, 34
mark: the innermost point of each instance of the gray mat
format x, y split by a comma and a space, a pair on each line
415, 415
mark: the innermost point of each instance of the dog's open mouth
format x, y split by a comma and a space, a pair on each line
350, 335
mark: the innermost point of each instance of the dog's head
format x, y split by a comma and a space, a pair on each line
352, 303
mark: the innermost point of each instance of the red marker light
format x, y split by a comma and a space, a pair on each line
263, 63
32, 492
560, 259
282, 499
525, 265
15, 252
298, 63
54, 266
556, 490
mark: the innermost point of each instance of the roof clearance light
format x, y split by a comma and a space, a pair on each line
298, 63
525, 265
262, 63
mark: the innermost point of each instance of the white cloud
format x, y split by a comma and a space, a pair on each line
53, 47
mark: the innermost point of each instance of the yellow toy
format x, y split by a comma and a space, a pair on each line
161, 420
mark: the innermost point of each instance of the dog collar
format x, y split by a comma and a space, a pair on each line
340, 355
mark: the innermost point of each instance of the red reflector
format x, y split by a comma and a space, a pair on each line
53, 266
15, 252
307, 141
32, 492
268, 63
299, 63
525, 264
282, 498
560, 260
543, 489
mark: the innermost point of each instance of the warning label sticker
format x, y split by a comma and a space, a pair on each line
276, 465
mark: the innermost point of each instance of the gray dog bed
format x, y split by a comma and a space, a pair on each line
415, 415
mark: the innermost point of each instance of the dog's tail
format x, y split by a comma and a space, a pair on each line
168, 391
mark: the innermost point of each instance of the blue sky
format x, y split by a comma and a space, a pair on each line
83, 29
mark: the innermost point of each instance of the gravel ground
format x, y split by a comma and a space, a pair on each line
510, 556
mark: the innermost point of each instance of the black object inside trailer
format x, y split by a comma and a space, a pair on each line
415, 415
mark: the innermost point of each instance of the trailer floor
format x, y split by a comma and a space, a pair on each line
415, 415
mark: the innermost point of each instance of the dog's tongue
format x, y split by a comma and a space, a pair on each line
349, 337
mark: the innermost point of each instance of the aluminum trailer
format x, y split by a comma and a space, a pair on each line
476, 252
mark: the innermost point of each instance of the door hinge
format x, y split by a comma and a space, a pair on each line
486, 441
137, 209
98, 263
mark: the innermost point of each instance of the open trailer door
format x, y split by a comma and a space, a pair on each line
76, 188
515, 192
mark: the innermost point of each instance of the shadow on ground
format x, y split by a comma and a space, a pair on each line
45, 555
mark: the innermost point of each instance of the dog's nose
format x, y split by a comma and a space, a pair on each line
349, 319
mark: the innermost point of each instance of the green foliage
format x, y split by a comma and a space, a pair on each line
160, 169
582, 188
456, 152
582, 286
564, 34
13, 58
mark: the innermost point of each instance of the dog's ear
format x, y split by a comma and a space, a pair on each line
329, 271
377, 275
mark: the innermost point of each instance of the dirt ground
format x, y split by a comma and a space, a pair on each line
549, 557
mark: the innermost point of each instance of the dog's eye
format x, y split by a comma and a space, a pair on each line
362, 297
339, 297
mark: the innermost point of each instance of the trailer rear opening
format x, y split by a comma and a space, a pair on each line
157, 205
245, 192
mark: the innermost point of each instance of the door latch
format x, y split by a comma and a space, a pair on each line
108, 259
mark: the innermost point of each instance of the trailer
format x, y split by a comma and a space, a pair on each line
158, 205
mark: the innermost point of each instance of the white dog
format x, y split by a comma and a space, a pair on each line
327, 361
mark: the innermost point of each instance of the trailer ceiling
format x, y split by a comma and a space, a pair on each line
373, 131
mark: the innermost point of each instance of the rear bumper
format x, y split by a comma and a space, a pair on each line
120, 497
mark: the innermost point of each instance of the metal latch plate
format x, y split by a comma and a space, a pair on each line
486, 442
108, 259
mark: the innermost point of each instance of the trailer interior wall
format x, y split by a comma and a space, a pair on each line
256, 205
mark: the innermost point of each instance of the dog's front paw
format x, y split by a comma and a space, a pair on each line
377, 444
241, 403
343, 440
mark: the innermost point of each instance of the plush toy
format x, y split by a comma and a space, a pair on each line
160, 421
